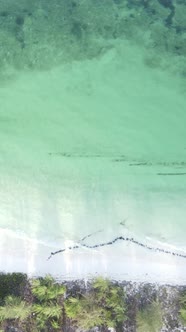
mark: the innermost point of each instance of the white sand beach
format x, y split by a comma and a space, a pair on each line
123, 261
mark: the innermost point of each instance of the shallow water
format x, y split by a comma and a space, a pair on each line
96, 143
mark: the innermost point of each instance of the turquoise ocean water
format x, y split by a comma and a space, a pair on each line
92, 121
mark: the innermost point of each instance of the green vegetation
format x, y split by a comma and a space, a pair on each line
50, 306
150, 319
183, 308
11, 284
104, 305
44, 305
14, 308
15, 311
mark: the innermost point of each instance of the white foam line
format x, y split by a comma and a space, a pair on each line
165, 245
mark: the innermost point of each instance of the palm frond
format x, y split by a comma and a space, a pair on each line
14, 308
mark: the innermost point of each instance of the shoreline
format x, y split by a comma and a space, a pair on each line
121, 261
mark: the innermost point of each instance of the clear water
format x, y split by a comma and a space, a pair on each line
92, 123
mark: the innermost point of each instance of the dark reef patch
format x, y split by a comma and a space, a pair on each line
69, 29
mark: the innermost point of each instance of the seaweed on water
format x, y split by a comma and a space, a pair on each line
116, 239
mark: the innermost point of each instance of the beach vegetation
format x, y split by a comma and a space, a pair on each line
11, 284
48, 307
45, 305
15, 309
150, 319
46, 289
182, 310
102, 306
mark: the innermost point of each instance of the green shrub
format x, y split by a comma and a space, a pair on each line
49, 302
182, 311
150, 319
48, 309
104, 305
45, 289
14, 308
11, 284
